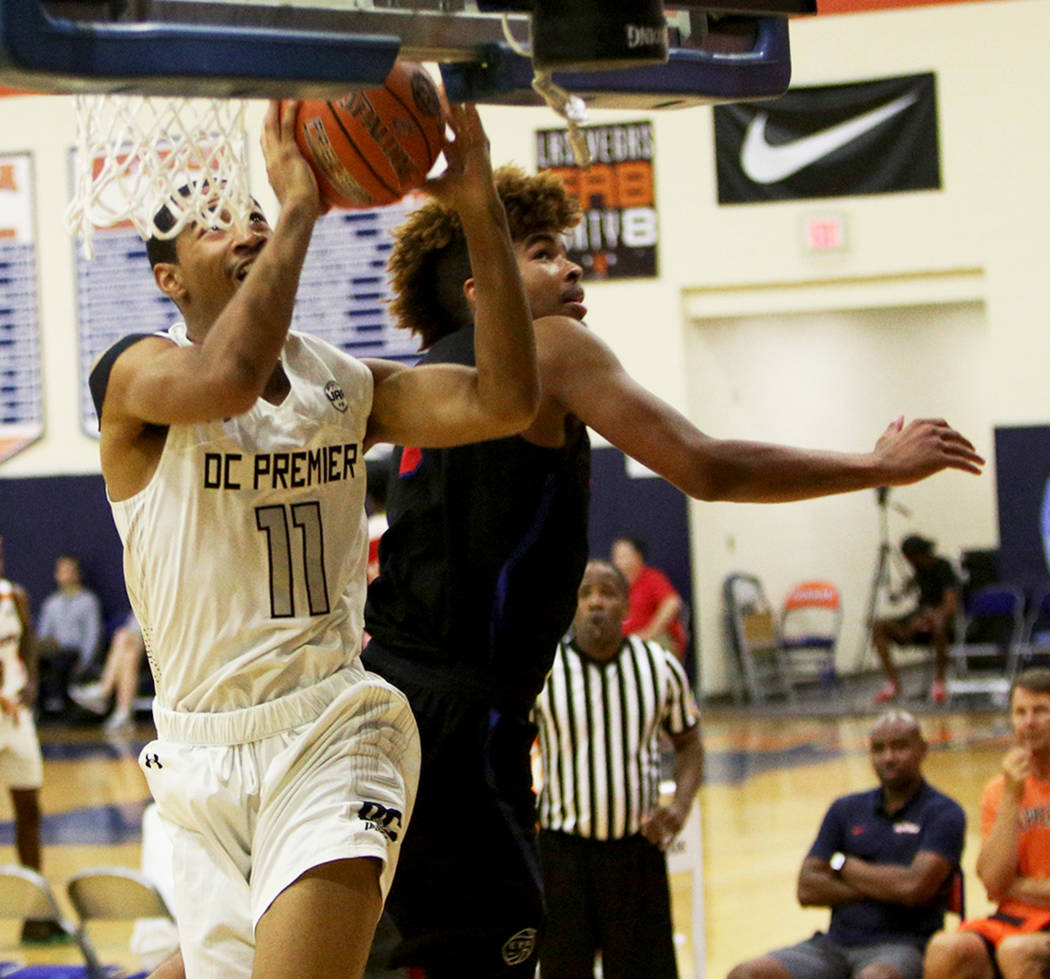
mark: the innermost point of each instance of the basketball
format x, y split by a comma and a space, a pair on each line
372, 147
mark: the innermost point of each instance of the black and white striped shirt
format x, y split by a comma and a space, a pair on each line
598, 735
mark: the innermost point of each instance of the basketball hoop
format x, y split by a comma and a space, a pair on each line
136, 154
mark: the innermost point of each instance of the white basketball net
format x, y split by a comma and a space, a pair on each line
136, 154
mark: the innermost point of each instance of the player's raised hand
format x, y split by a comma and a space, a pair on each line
290, 176
922, 447
467, 179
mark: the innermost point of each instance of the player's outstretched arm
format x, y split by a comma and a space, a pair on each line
585, 378
445, 404
227, 368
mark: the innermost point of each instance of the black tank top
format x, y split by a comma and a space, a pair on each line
484, 552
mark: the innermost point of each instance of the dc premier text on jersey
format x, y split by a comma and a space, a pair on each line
280, 470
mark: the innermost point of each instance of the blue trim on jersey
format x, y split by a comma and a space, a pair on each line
528, 541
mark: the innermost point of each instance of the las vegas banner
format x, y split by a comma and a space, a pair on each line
618, 234
873, 137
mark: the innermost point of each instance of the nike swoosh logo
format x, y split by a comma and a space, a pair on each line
766, 164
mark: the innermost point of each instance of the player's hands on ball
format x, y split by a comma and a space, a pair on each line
290, 176
467, 180
922, 447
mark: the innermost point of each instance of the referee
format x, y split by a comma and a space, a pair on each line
603, 831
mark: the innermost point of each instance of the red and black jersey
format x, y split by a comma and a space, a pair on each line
485, 550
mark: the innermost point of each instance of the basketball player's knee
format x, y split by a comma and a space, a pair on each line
1024, 955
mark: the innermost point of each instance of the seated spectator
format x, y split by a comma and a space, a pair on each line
883, 861
654, 603
21, 764
932, 620
68, 634
119, 682
1014, 863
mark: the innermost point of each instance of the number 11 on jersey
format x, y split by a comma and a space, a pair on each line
275, 523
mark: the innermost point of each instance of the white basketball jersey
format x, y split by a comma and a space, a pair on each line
245, 555
12, 669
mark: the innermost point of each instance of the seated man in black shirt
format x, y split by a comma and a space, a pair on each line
931, 621
884, 862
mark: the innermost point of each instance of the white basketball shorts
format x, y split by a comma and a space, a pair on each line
254, 798
21, 764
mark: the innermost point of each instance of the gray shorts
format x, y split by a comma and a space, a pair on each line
821, 958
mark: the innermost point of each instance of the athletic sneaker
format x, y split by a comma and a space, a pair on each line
888, 691
938, 692
91, 697
119, 722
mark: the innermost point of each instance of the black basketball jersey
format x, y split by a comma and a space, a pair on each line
484, 553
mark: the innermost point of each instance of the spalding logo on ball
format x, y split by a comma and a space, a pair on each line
372, 147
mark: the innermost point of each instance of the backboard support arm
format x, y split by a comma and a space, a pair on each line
38, 51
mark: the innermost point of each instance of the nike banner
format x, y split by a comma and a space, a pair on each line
618, 234
876, 137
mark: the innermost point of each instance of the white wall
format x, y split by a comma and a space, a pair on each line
975, 250
834, 379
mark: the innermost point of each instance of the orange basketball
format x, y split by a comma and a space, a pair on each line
372, 147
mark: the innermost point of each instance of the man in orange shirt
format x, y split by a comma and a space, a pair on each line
1014, 863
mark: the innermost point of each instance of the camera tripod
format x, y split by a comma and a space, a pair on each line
880, 579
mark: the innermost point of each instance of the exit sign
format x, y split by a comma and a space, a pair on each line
825, 233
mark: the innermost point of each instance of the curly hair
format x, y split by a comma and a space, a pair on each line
429, 263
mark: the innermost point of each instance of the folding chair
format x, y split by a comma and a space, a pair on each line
26, 894
984, 656
810, 622
115, 894
752, 627
1035, 642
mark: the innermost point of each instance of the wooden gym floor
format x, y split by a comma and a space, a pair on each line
768, 783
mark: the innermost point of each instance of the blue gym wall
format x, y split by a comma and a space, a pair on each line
41, 517
647, 508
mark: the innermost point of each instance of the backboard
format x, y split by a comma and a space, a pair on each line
237, 48
737, 58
